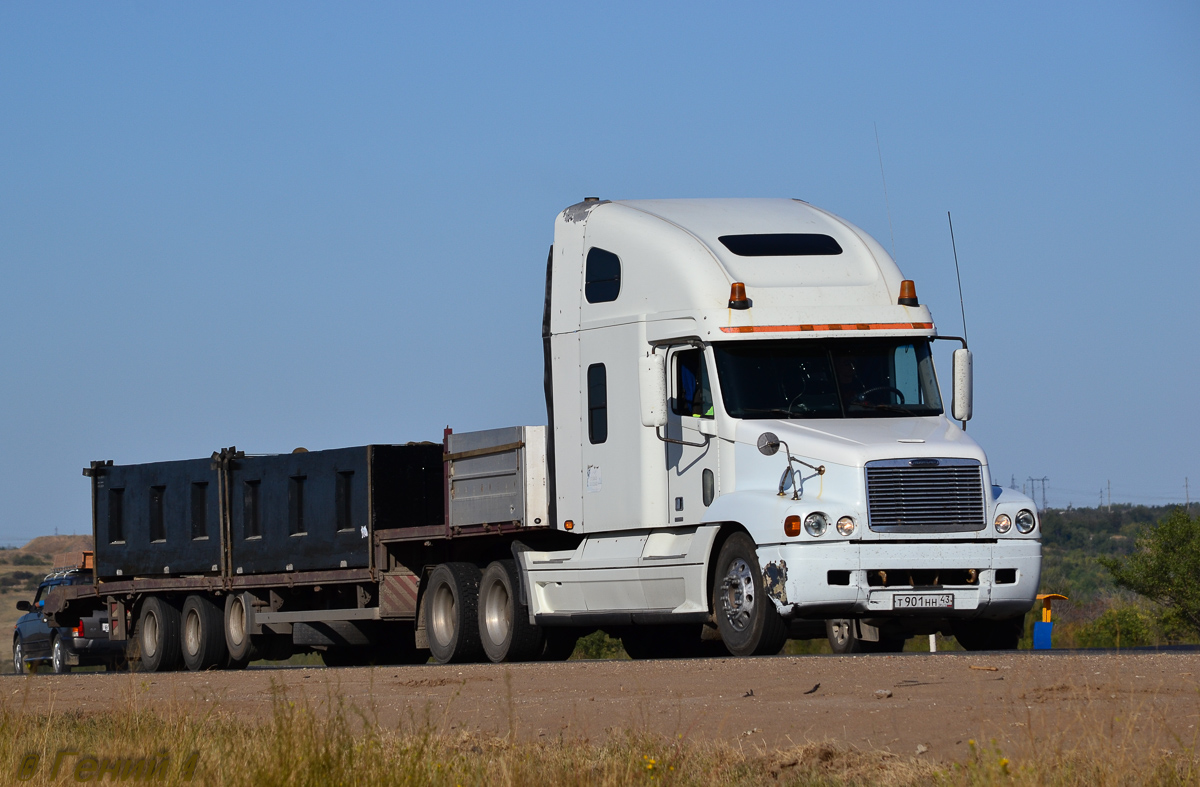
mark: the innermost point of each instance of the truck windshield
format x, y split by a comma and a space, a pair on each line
839, 378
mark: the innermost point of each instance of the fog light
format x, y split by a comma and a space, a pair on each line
845, 526
816, 524
1003, 523
1025, 521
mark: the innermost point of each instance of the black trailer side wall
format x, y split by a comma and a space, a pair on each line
159, 518
287, 512
317, 510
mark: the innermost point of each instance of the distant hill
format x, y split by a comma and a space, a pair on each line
52, 545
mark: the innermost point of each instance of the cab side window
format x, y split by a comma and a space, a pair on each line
693, 396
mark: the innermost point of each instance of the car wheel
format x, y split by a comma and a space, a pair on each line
58, 657
746, 616
19, 665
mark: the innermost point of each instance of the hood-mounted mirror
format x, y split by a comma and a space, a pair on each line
768, 444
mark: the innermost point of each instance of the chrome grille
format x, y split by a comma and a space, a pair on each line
925, 495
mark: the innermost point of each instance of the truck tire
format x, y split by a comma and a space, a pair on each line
158, 635
558, 643
238, 642
203, 635
990, 634
844, 639
746, 616
451, 613
58, 657
504, 628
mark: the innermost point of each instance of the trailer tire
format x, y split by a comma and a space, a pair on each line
238, 642
202, 638
158, 635
746, 617
504, 628
451, 613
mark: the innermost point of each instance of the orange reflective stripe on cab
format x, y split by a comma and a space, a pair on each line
862, 326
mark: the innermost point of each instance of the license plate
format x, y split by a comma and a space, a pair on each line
923, 601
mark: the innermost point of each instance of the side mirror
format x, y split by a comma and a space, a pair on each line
768, 444
652, 386
24, 606
961, 406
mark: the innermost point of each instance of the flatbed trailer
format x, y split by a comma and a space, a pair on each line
327, 551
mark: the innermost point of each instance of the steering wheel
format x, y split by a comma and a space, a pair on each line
861, 398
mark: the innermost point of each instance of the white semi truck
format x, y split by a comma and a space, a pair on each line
746, 442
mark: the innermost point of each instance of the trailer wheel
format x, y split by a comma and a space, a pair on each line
504, 627
452, 619
746, 616
238, 643
203, 636
158, 635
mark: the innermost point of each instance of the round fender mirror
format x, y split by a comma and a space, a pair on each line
768, 444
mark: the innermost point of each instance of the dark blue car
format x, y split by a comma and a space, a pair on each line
35, 642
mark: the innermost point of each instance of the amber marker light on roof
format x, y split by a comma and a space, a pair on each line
908, 293
737, 296
791, 526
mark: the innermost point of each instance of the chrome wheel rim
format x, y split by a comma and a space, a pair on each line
444, 617
737, 597
840, 629
150, 635
497, 613
191, 633
59, 656
18, 658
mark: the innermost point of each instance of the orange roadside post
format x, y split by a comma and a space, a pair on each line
1043, 629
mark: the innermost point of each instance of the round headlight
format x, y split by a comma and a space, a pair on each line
816, 524
1003, 523
1025, 521
845, 526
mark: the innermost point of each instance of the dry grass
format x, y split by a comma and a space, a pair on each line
330, 743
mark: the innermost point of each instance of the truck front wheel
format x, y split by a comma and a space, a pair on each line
504, 628
746, 616
451, 613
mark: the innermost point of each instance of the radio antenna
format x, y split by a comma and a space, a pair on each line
886, 202
959, 275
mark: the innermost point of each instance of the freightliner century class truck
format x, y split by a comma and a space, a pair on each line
746, 442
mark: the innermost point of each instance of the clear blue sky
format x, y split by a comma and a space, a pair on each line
274, 225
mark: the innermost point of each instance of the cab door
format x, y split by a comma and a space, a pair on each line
691, 429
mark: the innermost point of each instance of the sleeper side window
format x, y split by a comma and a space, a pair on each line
602, 276
693, 395
597, 388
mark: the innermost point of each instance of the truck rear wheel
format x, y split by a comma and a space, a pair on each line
504, 628
158, 635
203, 636
746, 616
990, 634
451, 613
238, 643
843, 638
